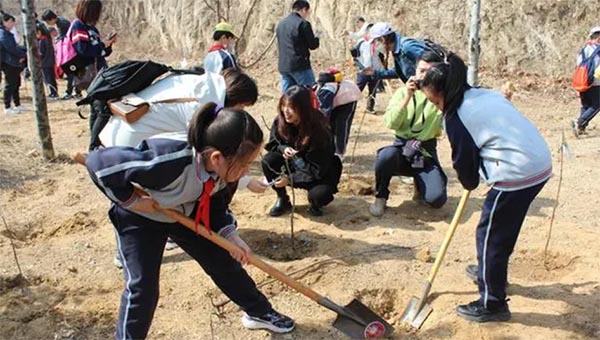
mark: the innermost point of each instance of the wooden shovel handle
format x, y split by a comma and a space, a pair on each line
442, 252
252, 259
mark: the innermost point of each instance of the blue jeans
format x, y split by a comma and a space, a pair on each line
304, 77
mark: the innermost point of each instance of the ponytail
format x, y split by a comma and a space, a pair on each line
232, 132
449, 79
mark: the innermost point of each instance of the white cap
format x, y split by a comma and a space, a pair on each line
594, 30
379, 30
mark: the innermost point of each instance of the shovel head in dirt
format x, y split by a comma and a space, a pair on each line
416, 312
371, 326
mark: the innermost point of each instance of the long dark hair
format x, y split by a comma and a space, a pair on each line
232, 132
448, 78
239, 88
313, 128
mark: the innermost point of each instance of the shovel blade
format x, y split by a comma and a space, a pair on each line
375, 327
414, 316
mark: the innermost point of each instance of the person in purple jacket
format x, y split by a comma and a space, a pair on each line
47, 56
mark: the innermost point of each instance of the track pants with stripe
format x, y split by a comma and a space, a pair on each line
341, 122
501, 220
141, 243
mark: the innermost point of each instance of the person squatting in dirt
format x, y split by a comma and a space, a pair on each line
490, 139
219, 55
301, 141
337, 99
417, 123
179, 171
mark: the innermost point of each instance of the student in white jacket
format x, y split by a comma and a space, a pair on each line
490, 139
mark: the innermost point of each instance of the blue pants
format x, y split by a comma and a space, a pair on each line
590, 105
497, 232
430, 180
304, 77
141, 242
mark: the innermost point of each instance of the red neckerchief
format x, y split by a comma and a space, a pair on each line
216, 47
203, 209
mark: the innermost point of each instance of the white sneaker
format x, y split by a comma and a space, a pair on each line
272, 321
170, 245
117, 261
11, 111
378, 207
22, 108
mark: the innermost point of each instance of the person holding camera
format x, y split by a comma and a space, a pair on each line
416, 123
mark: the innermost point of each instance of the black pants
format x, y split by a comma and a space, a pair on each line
70, 87
99, 117
497, 232
12, 77
431, 181
362, 81
341, 122
141, 243
590, 105
320, 193
50, 80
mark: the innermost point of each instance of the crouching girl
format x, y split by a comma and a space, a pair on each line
301, 141
174, 171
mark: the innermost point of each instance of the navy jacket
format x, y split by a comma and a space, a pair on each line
11, 52
295, 38
168, 169
46, 52
63, 25
88, 44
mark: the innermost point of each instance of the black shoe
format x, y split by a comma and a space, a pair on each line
472, 271
315, 211
281, 206
475, 311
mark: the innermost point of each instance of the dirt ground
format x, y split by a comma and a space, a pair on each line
65, 243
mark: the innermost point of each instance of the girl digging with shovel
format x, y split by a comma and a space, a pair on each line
175, 171
490, 138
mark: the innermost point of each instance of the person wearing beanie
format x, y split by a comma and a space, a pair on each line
219, 58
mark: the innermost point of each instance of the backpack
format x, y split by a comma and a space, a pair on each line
584, 72
121, 79
115, 82
66, 57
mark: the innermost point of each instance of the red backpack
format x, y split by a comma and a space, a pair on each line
584, 72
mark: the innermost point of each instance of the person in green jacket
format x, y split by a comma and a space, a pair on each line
416, 123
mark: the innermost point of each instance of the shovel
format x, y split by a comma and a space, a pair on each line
355, 320
418, 309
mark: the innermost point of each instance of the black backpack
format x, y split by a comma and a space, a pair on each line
117, 81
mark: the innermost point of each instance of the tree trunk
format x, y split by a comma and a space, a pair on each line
474, 48
39, 96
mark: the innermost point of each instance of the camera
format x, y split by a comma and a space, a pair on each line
418, 83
